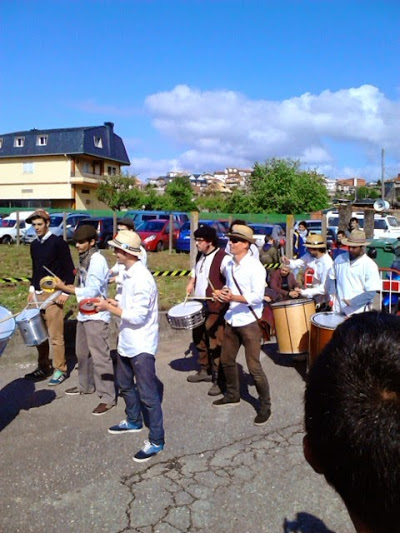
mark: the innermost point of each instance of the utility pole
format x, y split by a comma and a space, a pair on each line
383, 174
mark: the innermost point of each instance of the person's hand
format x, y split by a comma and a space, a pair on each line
294, 294
267, 299
285, 260
30, 297
102, 304
60, 300
190, 287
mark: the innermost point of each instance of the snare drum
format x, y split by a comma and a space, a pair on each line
48, 284
87, 306
292, 325
32, 327
187, 315
322, 327
7, 328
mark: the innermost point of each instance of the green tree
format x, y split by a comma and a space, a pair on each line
240, 202
280, 185
119, 192
213, 203
179, 195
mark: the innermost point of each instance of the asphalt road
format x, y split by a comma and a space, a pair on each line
63, 472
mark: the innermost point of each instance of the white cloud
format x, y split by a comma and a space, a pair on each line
215, 129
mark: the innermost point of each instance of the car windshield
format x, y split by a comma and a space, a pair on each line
55, 221
261, 230
392, 221
8, 223
152, 225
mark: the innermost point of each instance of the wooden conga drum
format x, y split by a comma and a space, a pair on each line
322, 327
292, 325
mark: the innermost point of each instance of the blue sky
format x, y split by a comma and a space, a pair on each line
202, 85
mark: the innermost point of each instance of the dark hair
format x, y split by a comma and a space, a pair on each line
267, 237
353, 219
303, 223
352, 417
237, 221
342, 232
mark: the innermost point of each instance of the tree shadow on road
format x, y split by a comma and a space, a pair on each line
271, 351
20, 395
305, 523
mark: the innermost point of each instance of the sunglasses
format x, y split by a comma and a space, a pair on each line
234, 240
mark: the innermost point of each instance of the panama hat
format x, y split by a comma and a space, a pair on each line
315, 241
128, 241
242, 232
356, 238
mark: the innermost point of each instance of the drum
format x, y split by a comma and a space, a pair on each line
7, 327
292, 325
187, 315
322, 327
87, 306
32, 327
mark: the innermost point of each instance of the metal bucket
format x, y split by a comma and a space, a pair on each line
32, 327
7, 328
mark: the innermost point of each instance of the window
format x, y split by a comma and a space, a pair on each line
28, 168
85, 191
87, 168
111, 171
19, 142
98, 142
41, 140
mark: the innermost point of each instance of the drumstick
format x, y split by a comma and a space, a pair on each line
8, 317
211, 285
50, 272
199, 298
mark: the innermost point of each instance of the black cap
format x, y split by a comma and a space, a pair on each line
128, 222
205, 232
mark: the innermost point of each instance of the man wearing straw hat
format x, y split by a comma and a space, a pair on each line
207, 276
320, 262
137, 346
356, 276
51, 252
244, 291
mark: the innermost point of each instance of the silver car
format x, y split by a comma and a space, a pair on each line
57, 226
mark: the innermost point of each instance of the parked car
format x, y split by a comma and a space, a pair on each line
385, 225
261, 230
57, 226
183, 240
8, 227
139, 217
315, 226
104, 227
155, 234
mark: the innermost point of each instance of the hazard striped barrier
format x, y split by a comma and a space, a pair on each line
15, 280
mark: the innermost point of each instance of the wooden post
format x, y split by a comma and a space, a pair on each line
115, 222
369, 223
289, 236
171, 232
194, 224
18, 230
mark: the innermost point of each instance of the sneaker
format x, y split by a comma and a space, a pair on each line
148, 451
214, 390
75, 391
57, 378
101, 409
224, 402
262, 417
39, 374
201, 375
126, 427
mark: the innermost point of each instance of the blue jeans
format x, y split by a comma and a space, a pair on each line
139, 388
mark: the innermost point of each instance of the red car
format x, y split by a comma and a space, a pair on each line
155, 234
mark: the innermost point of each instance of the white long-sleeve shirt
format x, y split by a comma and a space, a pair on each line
139, 319
250, 276
320, 282
202, 271
356, 281
118, 271
94, 286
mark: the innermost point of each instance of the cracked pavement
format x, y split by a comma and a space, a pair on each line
63, 472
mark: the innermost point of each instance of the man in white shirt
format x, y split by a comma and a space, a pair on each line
356, 276
95, 367
207, 276
137, 346
321, 263
245, 280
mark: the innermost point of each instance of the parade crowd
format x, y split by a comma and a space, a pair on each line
237, 292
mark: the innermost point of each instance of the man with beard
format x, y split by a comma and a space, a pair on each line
356, 276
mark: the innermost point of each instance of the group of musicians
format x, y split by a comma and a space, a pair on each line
233, 287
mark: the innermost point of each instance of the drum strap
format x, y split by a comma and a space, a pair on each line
241, 293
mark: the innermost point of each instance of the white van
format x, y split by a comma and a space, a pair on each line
8, 226
385, 225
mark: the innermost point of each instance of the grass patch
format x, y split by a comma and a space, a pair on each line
16, 262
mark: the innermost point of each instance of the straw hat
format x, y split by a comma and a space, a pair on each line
356, 238
126, 240
242, 232
315, 241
